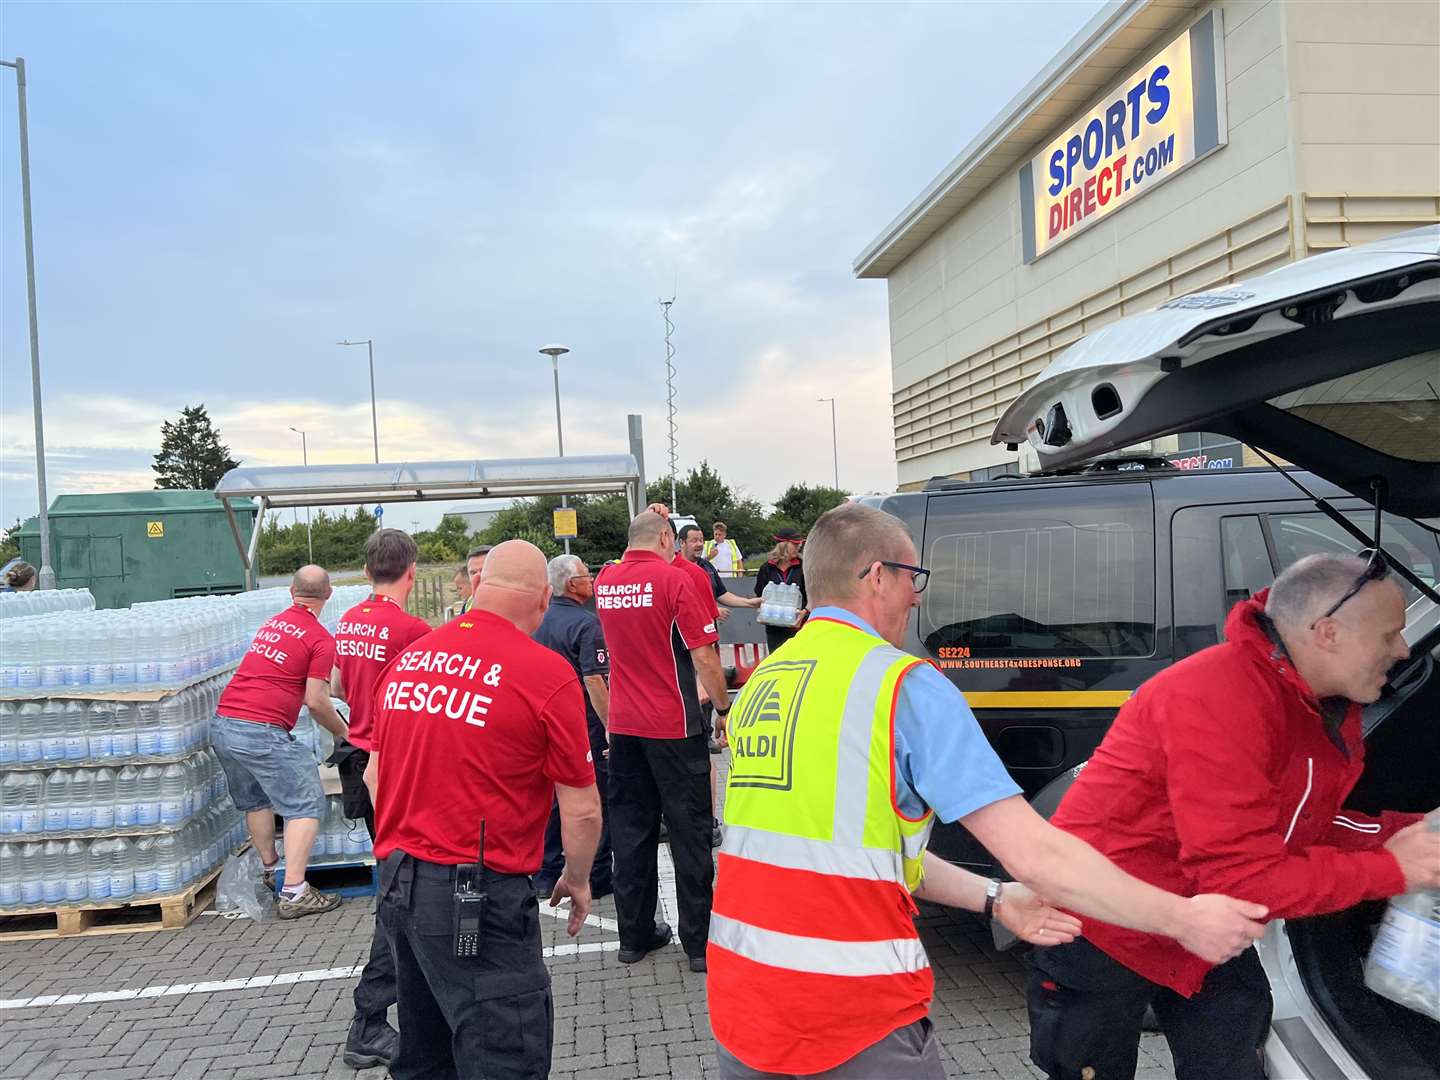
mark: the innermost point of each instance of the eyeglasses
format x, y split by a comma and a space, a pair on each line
919, 576
1376, 568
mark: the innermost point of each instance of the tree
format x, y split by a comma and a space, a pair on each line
10, 546
801, 505
191, 453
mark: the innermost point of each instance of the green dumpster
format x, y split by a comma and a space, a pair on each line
131, 546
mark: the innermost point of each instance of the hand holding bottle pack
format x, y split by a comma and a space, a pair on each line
1404, 961
779, 605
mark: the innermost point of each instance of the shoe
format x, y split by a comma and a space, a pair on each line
697, 963
716, 838
310, 902
267, 875
659, 940
371, 1042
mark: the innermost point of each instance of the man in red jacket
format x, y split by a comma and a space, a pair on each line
1228, 773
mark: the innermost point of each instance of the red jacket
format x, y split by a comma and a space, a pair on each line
1219, 776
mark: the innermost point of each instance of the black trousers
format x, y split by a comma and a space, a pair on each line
602, 872
375, 992
648, 777
487, 1017
1086, 1010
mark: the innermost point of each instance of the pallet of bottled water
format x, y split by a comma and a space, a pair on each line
17, 605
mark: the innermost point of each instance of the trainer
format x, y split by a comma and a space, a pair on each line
478, 729
661, 636
288, 665
1228, 772
572, 630
846, 749
368, 637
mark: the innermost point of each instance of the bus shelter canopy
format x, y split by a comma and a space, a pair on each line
283, 486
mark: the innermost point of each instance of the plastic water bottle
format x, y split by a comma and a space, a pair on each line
82, 800
122, 653
147, 802
147, 728
52, 888
98, 870
127, 797
77, 736
100, 669
70, 642
29, 720
77, 864
8, 672
23, 799
23, 650
172, 794
127, 721
167, 865
32, 874
100, 724
355, 838
9, 734
9, 875
57, 800
170, 725
147, 654
334, 829
52, 730
143, 857
122, 870
102, 794
171, 669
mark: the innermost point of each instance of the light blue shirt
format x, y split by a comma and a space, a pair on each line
943, 760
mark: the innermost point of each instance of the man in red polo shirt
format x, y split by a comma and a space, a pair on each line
477, 728
368, 637
268, 772
661, 633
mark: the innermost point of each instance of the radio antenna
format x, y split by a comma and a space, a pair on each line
670, 396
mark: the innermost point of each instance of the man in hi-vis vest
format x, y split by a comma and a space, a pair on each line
845, 751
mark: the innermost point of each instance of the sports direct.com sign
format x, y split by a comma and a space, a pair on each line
1162, 118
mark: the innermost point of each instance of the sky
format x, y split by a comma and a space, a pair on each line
223, 191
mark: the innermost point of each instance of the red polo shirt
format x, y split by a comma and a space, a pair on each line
701, 581
369, 636
269, 685
475, 721
652, 616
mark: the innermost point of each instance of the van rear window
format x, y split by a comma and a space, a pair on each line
1059, 572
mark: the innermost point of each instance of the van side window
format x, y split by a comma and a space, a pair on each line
1068, 572
1301, 534
1247, 560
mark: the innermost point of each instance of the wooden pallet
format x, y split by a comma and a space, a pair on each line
140, 916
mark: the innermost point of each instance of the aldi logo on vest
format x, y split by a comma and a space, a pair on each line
762, 736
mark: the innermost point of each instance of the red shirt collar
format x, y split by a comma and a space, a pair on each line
641, 555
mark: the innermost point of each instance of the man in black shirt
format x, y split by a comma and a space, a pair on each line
692, 543
573, 631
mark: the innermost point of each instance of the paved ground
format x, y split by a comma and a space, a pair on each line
648, 1020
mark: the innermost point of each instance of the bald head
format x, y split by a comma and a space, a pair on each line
514, 584
310, 586
648, 530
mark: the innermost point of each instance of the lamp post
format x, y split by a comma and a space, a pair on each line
834, 440
369, 344
555, 352
305, 460
47, 572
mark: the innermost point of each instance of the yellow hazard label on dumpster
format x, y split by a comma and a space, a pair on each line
566, 525
155, 530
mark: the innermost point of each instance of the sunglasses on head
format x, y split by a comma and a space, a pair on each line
919, 576
1376, 568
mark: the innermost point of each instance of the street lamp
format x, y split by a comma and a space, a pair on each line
305, 459
555, 352
834, 440
374, 422
47, 572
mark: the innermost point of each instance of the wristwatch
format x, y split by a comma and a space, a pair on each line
719, 711
992, 896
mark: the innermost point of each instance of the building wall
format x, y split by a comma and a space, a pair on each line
971, 324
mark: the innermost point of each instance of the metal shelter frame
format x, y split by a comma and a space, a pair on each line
287, 486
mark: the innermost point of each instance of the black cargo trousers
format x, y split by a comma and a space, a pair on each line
487, 1017
649, 777
375, 992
